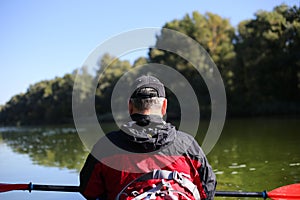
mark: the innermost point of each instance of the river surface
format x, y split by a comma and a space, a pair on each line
250, 155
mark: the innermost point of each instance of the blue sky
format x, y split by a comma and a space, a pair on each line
44, 39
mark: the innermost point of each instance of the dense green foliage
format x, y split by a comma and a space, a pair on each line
268, 62
259, 63
110, 70
44, 102
216, 36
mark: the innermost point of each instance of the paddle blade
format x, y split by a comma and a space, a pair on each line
288, 192
9, 187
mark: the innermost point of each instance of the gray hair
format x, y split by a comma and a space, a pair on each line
154, 104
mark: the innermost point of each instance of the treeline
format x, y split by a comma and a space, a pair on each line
259, 62
44, 102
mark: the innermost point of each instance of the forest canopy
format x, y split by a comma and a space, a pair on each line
259, 62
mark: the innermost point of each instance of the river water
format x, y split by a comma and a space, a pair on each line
250, 155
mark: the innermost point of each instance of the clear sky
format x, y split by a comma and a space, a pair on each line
43, 39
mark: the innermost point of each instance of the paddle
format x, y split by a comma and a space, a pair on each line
288, 192
58, 188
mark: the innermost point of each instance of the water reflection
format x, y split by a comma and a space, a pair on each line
259, 154
47, 146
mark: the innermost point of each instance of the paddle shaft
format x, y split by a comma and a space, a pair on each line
56, 188
59, 188
62, 188
285, 192
76, 189
241, 194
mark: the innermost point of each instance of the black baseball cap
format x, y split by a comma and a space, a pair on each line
147, 82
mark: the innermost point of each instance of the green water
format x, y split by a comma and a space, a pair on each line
250, 155
257, 154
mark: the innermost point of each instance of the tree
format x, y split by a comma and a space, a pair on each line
216, 36
109, 72
214, 33
45, 102
140, 61
268, 60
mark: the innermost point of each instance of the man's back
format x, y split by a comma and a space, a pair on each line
124, 155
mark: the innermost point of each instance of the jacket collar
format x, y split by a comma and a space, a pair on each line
149, 131
144, 120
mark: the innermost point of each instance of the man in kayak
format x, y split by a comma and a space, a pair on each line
147, 144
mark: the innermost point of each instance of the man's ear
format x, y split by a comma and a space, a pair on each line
164, 107
130, 107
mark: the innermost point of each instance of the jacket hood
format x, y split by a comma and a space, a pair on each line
149, 131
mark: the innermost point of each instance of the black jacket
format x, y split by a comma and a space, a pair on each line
142, 145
